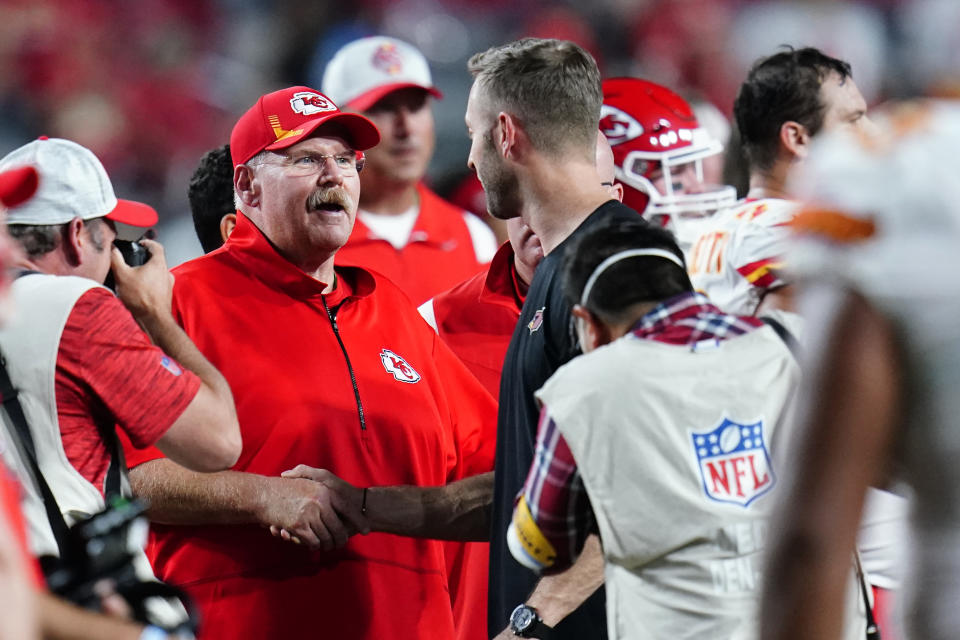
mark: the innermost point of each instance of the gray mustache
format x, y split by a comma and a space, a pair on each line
334, 195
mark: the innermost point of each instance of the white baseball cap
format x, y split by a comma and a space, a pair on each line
72, 184
365, 70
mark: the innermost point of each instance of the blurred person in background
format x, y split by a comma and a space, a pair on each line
786, 100
210, 193
333, 368
403, 229
875, 260
660, 149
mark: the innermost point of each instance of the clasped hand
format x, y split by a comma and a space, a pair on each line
314, 507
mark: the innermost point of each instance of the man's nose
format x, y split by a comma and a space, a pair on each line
331, 172
401, 122
687, 180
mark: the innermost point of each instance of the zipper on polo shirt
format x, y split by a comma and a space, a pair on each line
332, 315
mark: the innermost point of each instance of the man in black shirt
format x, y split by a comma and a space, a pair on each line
533, 116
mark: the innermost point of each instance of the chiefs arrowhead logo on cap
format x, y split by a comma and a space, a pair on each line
618, 126
388, 59
308, 103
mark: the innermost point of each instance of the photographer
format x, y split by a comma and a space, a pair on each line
28, 611
78, 358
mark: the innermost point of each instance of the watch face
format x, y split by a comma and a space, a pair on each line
522, 618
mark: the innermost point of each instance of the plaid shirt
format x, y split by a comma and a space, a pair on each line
554, 490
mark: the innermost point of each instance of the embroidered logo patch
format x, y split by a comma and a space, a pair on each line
537, 322
308, 103
734, 462
167, 363
399, 367
387, 59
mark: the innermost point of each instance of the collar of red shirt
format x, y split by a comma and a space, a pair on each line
501, 286
429, 229
688, 318
256, 255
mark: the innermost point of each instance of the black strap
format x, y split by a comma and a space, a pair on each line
28, 450
784, 334
24, 441
873, 631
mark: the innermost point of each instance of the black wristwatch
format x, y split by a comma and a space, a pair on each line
526, 623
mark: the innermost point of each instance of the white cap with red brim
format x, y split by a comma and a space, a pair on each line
72, 184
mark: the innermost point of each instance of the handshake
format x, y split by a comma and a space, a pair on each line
313, 507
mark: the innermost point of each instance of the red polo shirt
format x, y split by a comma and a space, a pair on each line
438, 255
267, 327
476, 319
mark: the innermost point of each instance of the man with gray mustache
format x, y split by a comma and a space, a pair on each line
331, 366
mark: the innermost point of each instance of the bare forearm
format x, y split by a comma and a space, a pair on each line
179, 496
60, 620
557, 596
457, 511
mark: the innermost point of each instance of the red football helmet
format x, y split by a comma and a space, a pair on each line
652, 130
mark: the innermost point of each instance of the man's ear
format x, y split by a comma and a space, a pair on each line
227, 223
506, 135
246, 188
795, 138
617, 191
589, 329
73, 241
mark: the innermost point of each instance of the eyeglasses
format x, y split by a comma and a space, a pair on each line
307, 164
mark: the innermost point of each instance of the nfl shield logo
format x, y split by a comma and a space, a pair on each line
734, 462
537, 322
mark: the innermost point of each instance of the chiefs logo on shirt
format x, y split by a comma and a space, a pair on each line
399, 367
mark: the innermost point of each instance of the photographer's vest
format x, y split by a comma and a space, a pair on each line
30, 341
674, 447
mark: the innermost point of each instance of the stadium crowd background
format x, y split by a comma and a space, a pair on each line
149, 86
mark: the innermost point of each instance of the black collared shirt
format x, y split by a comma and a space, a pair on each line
541, 343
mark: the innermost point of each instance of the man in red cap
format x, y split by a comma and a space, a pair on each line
331, 366
69, 348
404, 230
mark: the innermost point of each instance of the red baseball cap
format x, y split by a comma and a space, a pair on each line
17, 185
284, 118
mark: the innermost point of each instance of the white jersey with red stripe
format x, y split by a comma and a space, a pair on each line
739, 255
884, 221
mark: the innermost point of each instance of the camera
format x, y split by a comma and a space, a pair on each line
101, 546
134, 253
106, 546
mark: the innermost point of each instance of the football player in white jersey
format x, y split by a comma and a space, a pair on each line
659, 148
876, 261
786, 100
